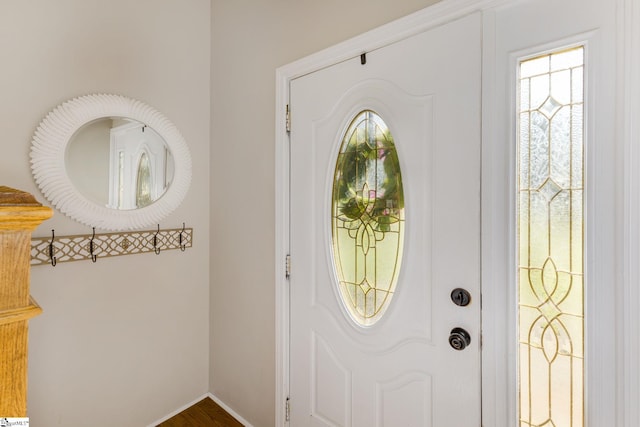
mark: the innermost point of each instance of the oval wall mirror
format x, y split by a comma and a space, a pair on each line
111, 162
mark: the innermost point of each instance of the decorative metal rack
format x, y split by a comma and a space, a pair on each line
82, 247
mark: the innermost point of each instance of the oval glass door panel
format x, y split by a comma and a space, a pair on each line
367, 218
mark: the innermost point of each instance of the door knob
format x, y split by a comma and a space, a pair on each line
459, 339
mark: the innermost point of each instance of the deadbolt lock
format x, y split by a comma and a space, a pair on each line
461, 297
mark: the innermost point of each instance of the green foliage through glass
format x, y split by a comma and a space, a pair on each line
368, 217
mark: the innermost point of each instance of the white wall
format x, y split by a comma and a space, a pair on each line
123, 341
87, 160
250, 40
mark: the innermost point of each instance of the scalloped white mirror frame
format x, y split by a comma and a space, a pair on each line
49, 146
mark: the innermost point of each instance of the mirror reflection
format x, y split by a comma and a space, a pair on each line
119, 163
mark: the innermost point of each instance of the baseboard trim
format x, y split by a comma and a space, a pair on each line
223, 405
177, 411
233, 413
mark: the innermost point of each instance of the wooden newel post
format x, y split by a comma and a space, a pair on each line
20, 214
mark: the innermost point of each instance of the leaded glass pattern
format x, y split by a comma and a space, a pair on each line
550, 228
367, 218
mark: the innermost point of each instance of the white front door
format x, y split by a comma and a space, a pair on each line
398, 370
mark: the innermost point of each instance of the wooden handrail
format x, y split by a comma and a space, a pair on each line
20, 214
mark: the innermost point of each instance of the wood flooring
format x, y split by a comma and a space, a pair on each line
205, 413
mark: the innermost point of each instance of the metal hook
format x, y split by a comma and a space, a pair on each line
183, 246
94, 257
54, 260
156, 249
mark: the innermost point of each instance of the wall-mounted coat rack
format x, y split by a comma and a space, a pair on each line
54, 249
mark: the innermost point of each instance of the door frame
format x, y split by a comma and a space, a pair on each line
498, 384
629, 120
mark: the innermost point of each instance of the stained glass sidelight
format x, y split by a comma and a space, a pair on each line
367, 218
550, 240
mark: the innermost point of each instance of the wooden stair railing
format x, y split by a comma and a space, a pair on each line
20, 214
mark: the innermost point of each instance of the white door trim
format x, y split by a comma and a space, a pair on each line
498, 362
612, 323
629, 106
